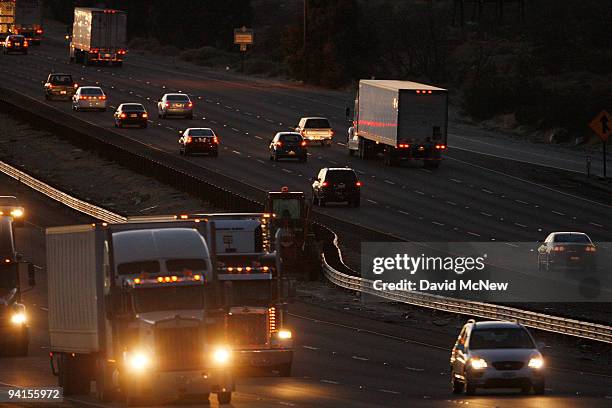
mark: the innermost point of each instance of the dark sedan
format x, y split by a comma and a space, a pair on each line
199, 140
288, 145
131, 114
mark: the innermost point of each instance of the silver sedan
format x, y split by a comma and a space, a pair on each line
89, 97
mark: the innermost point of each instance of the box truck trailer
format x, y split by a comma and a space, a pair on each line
98, 36
399, 120
28, 20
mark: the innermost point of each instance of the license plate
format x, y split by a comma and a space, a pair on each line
177, 105
574, 258
291, 152
134, 115
107, 55
17, 44
63, 92
508, 375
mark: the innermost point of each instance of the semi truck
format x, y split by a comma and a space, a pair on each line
255, 290
7, 18
135, 311
98, 36
400, 120
28, 20
14, 330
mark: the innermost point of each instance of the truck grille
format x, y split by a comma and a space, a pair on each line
248, 329
179, 348
508, 365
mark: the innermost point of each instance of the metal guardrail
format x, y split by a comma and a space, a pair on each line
571, 327
59, 196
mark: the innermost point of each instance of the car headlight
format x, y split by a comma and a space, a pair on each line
222, 355
284, 334
18, 318
18, 212
536, 362
138, 361
478, 363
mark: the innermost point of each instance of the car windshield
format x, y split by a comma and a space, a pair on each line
61, 79
341, 176
317, 124
91, 91
133, 108
201, 132
177, 98
501, 338
283, 208
8, 277
8, 201
138, 267
169, 298
572, 238
289, 138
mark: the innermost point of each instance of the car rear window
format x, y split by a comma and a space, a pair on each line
91, 91
501, 338
317, 124
572, 238
8, 201
61, 79
201, 132
291, 138
180, 98
341, 176
133, 108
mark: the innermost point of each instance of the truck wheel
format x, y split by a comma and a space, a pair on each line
284, 370
104, 382
224, 397
21, 348
73, 375
539, 388
470, 389
458, 386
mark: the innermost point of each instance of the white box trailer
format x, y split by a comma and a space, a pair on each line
28, 19
400, 120
7, 17
98, 35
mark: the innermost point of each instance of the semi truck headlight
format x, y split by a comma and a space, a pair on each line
138, 361
284, 334
18, 318
478, 363
17, 213
222, 355
536, 362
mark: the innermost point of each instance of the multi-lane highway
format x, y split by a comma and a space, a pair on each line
468, 198
342, 359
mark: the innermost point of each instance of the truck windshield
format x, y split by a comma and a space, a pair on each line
169, 298
251, 293
8, 278
283, 208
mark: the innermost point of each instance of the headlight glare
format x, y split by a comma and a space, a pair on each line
222, 355
18, 318
138, 361
17, 212
536, 362
478, 363
284, 334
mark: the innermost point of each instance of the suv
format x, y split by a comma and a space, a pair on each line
315, 129
60, 85
9, 205
336, 185
288, 145
496, 354
15, 43
177, 104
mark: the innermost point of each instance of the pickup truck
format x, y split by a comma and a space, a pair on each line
315, 129
60, 85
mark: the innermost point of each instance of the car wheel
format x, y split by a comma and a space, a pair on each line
470, 389
116, 125
275, 157
158, 115
321, 202
271, 157
119, 124
143, 126
458, 386
224, 397
284, 370
539, 388
215, 153
190, 117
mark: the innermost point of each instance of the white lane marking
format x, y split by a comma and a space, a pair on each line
261, 161
236, 151
437, 223
372, 201
214, 121
456, 181
228, 107
473, 233
287, 170
414, 369
310, 347
419, 192
235, 130
168, 127
46, 309
403, 212
510, 244
333, 162
451, 203
557, 212
520, 225
360, 358
289, 404
486, 214
389, 391
258, 137
426, 170
323, 380
341, 144
487, 191
269, 121
389, 182
596, 224
521, 201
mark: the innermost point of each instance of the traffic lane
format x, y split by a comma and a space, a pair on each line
516, 224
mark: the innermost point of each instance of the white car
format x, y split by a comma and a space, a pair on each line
175, 104
89, 97
496, 354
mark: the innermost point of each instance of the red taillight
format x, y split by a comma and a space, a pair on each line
25, 44
9, 44
123, 115
145, 115
167, 104
403, 146
358, 184
39, 31
324, 184
591, 248
303, 143
278, 144
440, 147
82, 97
103, 97
190, 104
215, 139
76, 85
49, 85
558, 248
188, 140
332, 132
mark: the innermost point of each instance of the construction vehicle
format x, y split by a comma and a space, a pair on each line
135, 308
